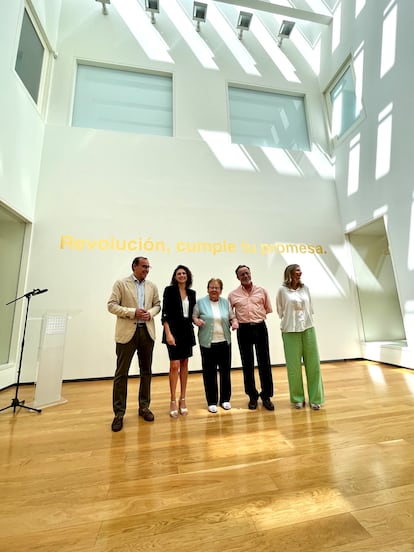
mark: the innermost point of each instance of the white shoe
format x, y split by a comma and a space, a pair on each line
212, 408
226, 405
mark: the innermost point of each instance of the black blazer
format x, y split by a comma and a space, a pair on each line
172, 312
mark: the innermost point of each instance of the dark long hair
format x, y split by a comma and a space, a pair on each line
189, 281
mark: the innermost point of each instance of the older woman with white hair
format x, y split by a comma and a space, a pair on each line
214, 318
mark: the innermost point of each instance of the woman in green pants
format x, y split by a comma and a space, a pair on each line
294, 306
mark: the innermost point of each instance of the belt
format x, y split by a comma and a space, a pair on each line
251, 323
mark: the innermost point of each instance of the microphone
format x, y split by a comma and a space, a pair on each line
39, 291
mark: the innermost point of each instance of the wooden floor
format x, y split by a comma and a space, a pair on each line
341, 479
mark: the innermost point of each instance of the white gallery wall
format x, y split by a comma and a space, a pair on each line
22, 122
101, 197
21, 142
102, 192
373, 164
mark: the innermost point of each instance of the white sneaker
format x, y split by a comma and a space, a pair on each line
212, 408
226, 405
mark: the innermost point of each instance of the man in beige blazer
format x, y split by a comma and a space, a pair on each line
134, 301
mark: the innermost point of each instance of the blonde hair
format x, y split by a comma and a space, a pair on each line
287, 276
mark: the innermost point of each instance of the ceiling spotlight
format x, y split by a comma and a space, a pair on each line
284, 32
243, 23
152, 6
199, 14
104, 2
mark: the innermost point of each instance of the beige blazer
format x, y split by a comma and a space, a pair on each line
123, 302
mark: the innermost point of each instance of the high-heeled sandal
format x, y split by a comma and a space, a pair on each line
183, 409
173, 409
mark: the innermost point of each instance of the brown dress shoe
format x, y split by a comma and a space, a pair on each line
146, 414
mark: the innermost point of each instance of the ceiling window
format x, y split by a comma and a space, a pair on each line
123, 100
267, 119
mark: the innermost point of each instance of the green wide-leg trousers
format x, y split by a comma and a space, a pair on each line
298, 346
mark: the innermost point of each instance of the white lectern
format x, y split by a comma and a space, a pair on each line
50, 367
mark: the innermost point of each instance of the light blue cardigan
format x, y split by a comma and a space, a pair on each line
205, 312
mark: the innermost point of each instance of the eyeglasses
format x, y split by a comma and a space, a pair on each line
214, 287
145, 266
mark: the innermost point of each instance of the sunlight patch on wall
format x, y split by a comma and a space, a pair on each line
350, 226
366, 278
316, 275
312, 54
230, 156
342, 255
359, 6
384, 142
143, 30
194, 40
229, 37
353, 164
336, 27
381, 212
389, 38
318, 159
275, 53
281, 161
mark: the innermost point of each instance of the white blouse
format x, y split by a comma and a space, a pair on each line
294, 307
186, 306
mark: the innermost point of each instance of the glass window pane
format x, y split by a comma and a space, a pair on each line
345, 109
127, 101
267, 119
29, 59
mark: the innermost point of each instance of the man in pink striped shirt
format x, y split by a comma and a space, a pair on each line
251, 304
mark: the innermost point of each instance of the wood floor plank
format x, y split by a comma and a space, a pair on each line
341, 479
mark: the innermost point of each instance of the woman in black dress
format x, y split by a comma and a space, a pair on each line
178, 334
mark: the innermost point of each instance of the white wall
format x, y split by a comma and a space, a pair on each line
380, 191
99, 185
22, 125
102, 185
96, 185
21, 133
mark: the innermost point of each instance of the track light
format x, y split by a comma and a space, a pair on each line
243, 23
284, 32
199, 14
152, 6
104, 3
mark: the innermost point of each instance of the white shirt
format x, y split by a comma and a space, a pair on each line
218, 333
294, 307
186, 306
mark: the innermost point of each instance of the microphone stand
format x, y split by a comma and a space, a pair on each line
15, 401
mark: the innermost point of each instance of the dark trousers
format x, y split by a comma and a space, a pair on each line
216, 356
144, 345
249, 335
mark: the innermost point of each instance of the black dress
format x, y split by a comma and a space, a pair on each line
180, 326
